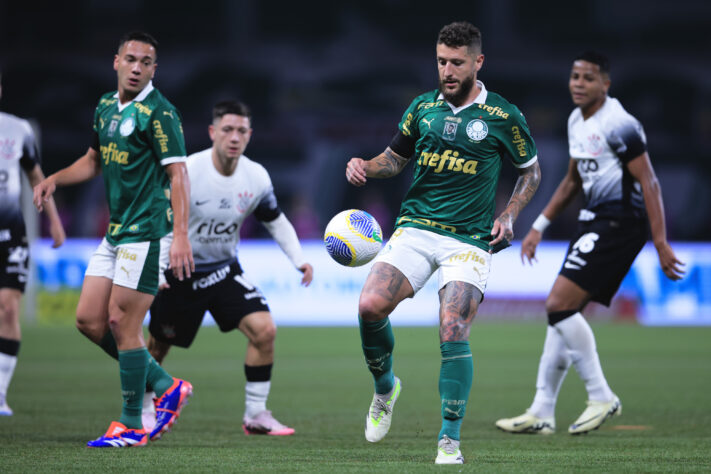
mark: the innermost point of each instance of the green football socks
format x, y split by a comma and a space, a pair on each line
132, 366
378, 341
455, 382
108, 344
157, 378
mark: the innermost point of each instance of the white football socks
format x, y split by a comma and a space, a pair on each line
255, 397
7, 368
580, 341
552, 369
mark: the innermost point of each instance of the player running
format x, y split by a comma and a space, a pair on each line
226, 188
18, 150
458, 135
609, 162
140, 151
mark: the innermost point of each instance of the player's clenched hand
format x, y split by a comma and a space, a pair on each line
529, 245
502, 232
670, 264
42, 192
308, 272
181, 257
355, 172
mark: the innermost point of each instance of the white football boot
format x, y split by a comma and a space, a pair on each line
527, 423
380, 414
595, 415
448, 451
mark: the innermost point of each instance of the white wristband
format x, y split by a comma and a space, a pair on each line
541, 223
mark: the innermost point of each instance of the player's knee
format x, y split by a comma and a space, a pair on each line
372, 308
88, 326
264, 338
9, 311
555, 304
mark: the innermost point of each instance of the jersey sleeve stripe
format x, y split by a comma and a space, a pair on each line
528, 163
173, 159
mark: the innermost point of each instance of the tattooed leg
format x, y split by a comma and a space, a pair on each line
458, 305
385, 287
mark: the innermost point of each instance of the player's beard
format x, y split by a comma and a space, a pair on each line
456, 98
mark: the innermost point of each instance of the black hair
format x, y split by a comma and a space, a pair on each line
231, 107
460, 33
595, 58
140, 36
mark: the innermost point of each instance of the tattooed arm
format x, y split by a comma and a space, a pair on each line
385, 165
525, 188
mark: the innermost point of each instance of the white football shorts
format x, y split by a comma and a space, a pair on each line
418, 253
135, 265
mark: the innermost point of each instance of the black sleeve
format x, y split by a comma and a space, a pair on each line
95, 143
30, 153
627, 141
267, 210
403, 145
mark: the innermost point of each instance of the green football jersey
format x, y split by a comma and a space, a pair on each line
457, 163
136, 142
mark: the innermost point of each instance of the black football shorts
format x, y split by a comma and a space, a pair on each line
14, 257
177, 312
601, 254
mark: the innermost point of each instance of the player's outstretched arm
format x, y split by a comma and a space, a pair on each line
569, 187
181, 253
385, 165
56, 229
283, 232
528, 180
642, 170
85, 168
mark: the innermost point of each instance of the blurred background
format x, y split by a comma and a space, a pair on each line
330, 80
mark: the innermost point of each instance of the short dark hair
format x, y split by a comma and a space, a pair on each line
595, 57
140, 36
231, 107
460, 33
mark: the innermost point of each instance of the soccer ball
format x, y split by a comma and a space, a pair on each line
353, 238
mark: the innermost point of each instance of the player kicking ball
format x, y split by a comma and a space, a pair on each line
226, 188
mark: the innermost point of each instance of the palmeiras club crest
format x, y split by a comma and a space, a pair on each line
477, 130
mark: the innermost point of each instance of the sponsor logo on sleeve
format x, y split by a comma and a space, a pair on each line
519, 141
160, 135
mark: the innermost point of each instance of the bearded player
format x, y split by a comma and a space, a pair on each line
458, 138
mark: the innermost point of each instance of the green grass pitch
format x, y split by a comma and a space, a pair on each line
66, 391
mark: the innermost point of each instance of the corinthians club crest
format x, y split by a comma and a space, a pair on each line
477, 130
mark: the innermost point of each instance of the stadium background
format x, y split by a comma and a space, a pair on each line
330, 81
